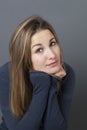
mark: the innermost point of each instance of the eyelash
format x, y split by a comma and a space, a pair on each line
38, 50
51, 44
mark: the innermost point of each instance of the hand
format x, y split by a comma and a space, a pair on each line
61, 73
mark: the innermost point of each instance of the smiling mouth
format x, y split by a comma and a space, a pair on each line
53, 64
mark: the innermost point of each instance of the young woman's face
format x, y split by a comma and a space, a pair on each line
45, 52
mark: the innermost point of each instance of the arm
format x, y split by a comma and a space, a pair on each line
3, 125
32, 118
65, 98
58, 106
53, 119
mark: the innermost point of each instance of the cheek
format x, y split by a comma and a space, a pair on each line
57, 51
36, 62
60, 54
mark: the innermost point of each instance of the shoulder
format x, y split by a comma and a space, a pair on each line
69, 68
4, 84
4, 72
70, 73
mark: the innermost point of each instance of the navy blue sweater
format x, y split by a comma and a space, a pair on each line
47, 110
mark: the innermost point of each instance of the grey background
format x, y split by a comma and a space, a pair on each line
69, 19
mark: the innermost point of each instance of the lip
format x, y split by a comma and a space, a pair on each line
52, 64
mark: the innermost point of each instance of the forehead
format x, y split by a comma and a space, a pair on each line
41, 36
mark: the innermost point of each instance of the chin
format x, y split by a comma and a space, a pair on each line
54, 71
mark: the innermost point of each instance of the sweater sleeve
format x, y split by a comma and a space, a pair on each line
32, 118
58, 107
3, 125
53, 119
65, 98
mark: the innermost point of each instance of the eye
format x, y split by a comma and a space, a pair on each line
39, 50
53, 43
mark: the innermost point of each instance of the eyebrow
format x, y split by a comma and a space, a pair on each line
39, 44
52, 39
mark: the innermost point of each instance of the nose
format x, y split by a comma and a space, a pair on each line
50, 54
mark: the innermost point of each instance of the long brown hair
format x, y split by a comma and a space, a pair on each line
21, 64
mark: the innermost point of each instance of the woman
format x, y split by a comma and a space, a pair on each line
36, 86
